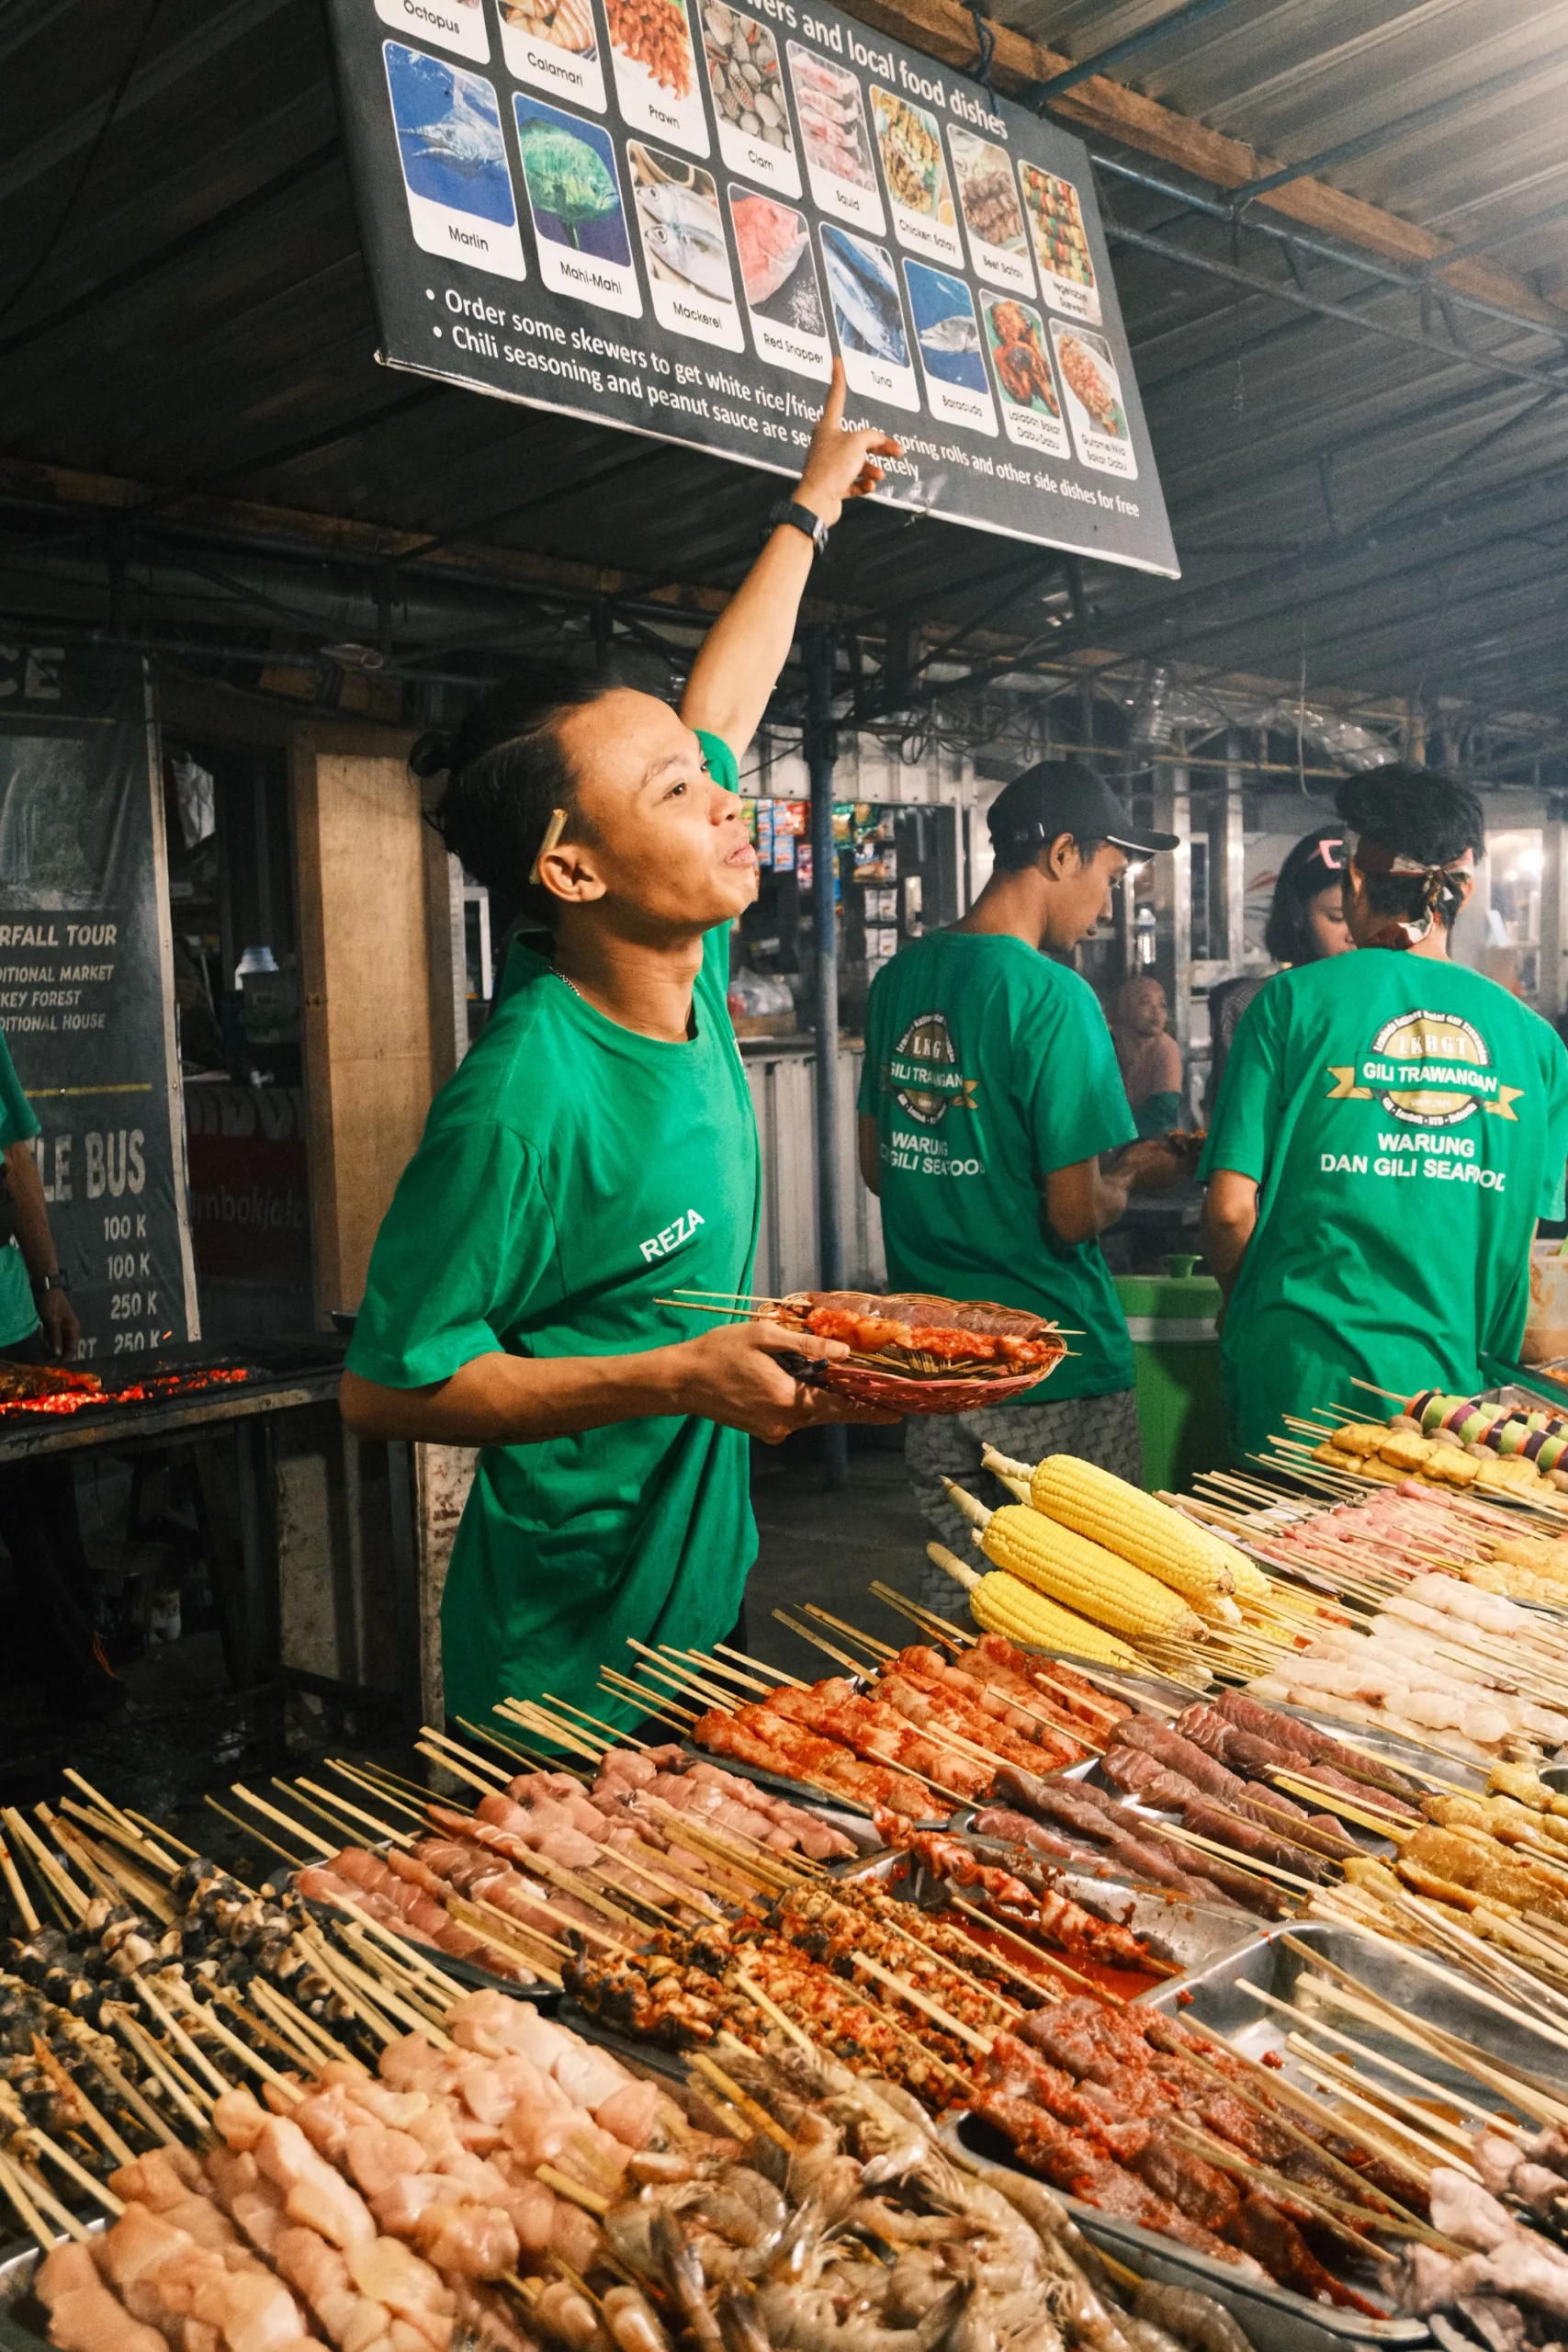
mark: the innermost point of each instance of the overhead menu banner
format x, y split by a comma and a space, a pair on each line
86, 989
668, 215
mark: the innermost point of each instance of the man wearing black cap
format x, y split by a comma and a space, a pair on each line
989, 1095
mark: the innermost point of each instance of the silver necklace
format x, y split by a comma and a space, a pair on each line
570, 984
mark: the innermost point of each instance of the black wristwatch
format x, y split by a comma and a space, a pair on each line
802, 519
43, 1283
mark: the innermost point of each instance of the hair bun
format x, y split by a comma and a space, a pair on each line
432, 754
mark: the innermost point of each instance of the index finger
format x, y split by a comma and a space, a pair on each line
833, 406
778, 1340
874, 443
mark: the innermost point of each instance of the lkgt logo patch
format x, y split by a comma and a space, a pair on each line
663, 1244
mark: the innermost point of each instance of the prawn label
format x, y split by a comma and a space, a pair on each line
456, 175
873, 340
837, 139
539, 64
1094, 402
457, 24
664, 99
1060, 245
1032, 411
683, 244
917, 180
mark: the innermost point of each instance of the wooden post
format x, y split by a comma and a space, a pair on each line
366, 963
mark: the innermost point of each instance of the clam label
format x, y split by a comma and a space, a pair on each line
455, 169
574, 196
1031, 407
1061, 245
988, 199
784, 294
656, 71
742, 59
947, 336
837, 139
869, 319
689, 276
553, 45
458, 25
1094, 400
912, 164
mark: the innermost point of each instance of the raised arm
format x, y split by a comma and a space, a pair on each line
748, 644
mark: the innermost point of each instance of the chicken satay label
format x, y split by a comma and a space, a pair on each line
916, 173
559, 73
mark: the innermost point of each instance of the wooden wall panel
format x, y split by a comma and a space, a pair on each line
364, 966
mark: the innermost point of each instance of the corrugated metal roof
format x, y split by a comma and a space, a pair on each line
1377, 496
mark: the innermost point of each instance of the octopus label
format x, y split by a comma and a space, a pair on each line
458, 25
553, 45
869, 319
454, 162
1061, 246
992, 213
912, 164
754, 135
1094, 400
783, 292
656, 71
683, 244
1031, 409
836, 141
947, 335
574, 195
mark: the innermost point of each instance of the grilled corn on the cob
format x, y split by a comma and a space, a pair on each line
1001, 1604
1079, 1574
1164, 1543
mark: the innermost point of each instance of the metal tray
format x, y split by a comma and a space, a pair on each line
1274, 2318
23, 2321
1213, 1994
1192, 1935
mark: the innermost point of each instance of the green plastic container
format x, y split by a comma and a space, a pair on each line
1175, 1367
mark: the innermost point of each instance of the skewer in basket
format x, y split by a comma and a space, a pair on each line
909, 1353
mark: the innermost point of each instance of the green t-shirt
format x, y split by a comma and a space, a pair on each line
18, 1316
1393, 1218
572, 1175
987, 1067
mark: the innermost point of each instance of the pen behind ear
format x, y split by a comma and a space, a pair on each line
553, 833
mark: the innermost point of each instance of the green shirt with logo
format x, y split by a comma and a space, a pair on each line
987, 1067
1407, 1123
573, 1175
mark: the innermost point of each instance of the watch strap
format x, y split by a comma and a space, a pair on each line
801, 518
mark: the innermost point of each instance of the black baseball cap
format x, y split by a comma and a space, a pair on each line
1066, 797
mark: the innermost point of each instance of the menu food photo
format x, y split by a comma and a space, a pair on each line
669, 216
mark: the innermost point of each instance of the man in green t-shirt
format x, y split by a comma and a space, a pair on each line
988, 1099
594, 1160
1389, 1129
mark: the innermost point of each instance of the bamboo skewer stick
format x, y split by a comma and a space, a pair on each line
29, 1916
481, 1763
1048, 1958
142, 2046
362, 1781
458, 1772
284, 1820
776, 1671
64, 1896
355, 1812
155, 1852
77, 2105
750, 2110
653, 1702
131, 2098
932, 2009
294, 1861
554, 1727
25, 2208
232, 2040
172, 2026
67, 2163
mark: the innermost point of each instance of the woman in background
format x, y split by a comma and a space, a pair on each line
1306, 924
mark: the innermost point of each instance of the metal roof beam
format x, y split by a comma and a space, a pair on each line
1439, 110
1502, 236
1119, 50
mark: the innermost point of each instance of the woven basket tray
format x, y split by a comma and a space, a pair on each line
883, 1385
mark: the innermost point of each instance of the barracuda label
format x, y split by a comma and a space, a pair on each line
1428, 1069
923, 1073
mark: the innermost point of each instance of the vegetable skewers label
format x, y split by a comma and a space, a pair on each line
552, 45
1061, 248
454, 162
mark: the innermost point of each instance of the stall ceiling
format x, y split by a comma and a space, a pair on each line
1366, 464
